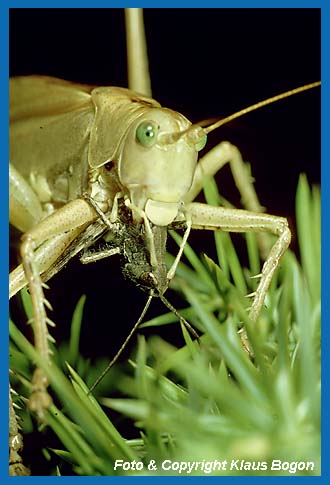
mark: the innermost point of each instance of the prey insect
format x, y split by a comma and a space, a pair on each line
137, 162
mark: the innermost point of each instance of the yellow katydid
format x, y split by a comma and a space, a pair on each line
75, 126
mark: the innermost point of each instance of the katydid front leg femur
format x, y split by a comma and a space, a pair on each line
235, 220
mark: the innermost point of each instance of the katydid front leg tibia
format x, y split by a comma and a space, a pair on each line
234, 220
211, 163
73, 215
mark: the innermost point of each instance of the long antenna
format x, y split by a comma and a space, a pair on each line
144, 311
256, 106
198, 130
115, 358
180, 317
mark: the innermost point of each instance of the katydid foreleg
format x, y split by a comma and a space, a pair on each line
234, 220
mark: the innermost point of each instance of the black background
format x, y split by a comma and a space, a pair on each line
204, 63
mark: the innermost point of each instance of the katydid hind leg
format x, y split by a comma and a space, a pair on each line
137, 56
25, 209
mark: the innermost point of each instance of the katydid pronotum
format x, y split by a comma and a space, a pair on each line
153, 204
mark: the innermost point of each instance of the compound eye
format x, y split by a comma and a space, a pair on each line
146, 133
149, 280
201, 144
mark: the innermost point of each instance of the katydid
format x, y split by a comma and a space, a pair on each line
104, 159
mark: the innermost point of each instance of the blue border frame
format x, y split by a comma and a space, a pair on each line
4, 9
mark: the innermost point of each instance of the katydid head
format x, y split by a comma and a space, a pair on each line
156, 165
155, 149
159, 155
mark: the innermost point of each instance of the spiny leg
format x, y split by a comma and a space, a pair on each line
211, 163
16, 466
40, 399
235, 220
73, 215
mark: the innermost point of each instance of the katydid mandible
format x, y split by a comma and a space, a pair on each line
78, 152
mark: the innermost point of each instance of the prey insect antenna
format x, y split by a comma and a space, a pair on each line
180, 317
115, 358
